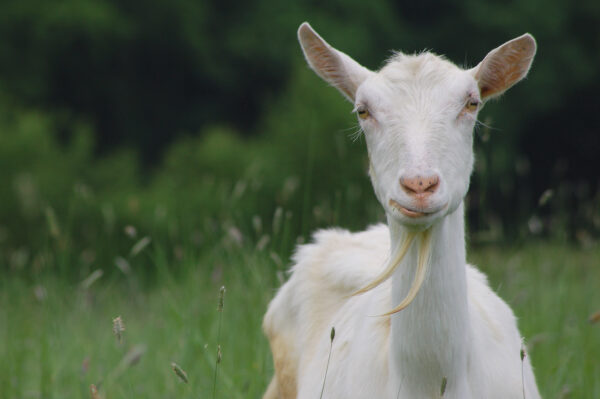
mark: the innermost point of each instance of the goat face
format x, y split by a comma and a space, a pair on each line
418, 114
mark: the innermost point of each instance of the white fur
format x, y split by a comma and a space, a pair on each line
456, 328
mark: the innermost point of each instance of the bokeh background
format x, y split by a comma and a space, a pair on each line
194, 133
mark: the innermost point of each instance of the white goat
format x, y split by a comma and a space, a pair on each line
417, 114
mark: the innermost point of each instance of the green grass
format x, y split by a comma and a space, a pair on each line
58, 346
553, 290
55, 344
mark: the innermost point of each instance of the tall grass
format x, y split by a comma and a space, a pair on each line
553, 289
56, 338
61, 343
71, 263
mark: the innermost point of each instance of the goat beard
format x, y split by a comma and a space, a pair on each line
424, 239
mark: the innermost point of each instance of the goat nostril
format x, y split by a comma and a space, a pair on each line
419, 184
407, 186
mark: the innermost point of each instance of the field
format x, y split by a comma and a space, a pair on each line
152, 153
57, 337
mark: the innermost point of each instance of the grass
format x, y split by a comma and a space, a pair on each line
553, 289
58, 345
56, 338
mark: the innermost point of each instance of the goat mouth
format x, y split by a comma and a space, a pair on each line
411, 213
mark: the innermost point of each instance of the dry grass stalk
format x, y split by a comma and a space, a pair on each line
221, 299
331, 336
218, 360
522, 374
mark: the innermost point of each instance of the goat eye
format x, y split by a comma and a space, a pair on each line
363, 113
472, 105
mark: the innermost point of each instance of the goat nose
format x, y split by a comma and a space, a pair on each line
420, 185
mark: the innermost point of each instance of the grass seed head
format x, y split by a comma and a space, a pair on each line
118, 328
52, 223
257, 224
92, 278
277, 216
263, 242
218, 354
123, 265
130, 231
179, 371
443, 387
94, 392
276, 259
332, 333
221, 299
132, 357
140, 246
545, 197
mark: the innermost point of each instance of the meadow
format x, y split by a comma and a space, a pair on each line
57, 336
127, 195
85, 239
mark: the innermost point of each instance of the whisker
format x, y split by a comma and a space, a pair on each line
479, 123
356, 134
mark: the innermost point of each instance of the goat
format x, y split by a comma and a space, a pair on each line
439, 319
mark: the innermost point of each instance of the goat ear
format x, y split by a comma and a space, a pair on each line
333, 66
504, 66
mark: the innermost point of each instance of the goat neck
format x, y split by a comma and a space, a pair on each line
429, 339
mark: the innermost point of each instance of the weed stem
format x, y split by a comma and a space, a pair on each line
218, 360
332, 336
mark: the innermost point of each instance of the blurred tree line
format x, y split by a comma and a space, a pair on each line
141, 111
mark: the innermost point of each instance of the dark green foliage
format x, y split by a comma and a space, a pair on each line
193, 120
